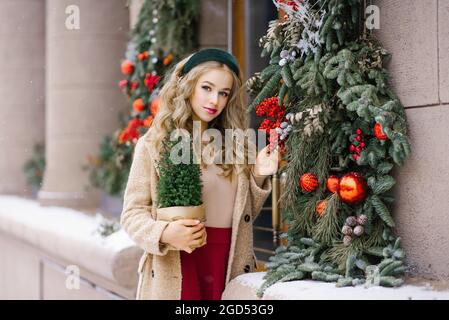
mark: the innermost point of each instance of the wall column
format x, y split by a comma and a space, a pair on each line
22, 87
83, 99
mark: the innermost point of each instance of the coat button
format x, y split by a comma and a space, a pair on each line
247, 218
152, 273
247, 268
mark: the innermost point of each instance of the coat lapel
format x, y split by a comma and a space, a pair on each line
239, 206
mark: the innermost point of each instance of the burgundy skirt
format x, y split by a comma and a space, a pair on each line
204, 270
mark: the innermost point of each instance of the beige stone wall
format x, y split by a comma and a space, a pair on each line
416, 32
22, 86
83, 99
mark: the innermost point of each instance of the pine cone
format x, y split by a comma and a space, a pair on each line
254, 84
358, 231
346, 230
362, 219
351, 221
347, 240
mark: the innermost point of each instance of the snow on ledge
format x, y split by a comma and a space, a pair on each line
69, 234
244, 287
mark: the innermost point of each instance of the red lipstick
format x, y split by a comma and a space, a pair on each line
210, 110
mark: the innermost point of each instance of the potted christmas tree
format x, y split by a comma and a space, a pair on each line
179, 186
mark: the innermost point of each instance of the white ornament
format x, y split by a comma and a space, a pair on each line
153, 40
155, 20
154, 60
284, 54
282, 62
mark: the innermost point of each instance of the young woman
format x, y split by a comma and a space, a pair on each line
205, 87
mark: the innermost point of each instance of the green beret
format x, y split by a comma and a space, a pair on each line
212, 54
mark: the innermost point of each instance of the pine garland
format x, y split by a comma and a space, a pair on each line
332, 80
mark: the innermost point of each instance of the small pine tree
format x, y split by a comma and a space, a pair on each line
180, 183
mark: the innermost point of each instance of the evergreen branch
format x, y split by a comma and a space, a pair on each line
382, 210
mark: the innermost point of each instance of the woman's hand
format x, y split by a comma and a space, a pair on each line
184, 234
267, 162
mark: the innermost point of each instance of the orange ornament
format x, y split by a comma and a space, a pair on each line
332, 183
167, 59
352, 188
321, 207
154, 106
127, 67
308, 182
148, 121
138, 105
379, 133
142, 56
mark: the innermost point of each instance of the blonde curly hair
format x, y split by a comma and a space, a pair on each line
175, 112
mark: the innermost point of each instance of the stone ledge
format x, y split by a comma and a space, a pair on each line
244, 287
69, 234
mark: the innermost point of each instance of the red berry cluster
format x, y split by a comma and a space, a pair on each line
357, 147
151, 81
270, 108
268, 125
131, 132
275, 115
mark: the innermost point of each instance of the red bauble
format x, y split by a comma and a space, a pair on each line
352, 148
358, 138
358, 131
362, 145
308, 182
352, 188
332, 183
358, 150
134, 85
138, 105
379, 133
355, 156
127, 67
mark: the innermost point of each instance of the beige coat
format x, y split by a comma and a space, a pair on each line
160, 268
